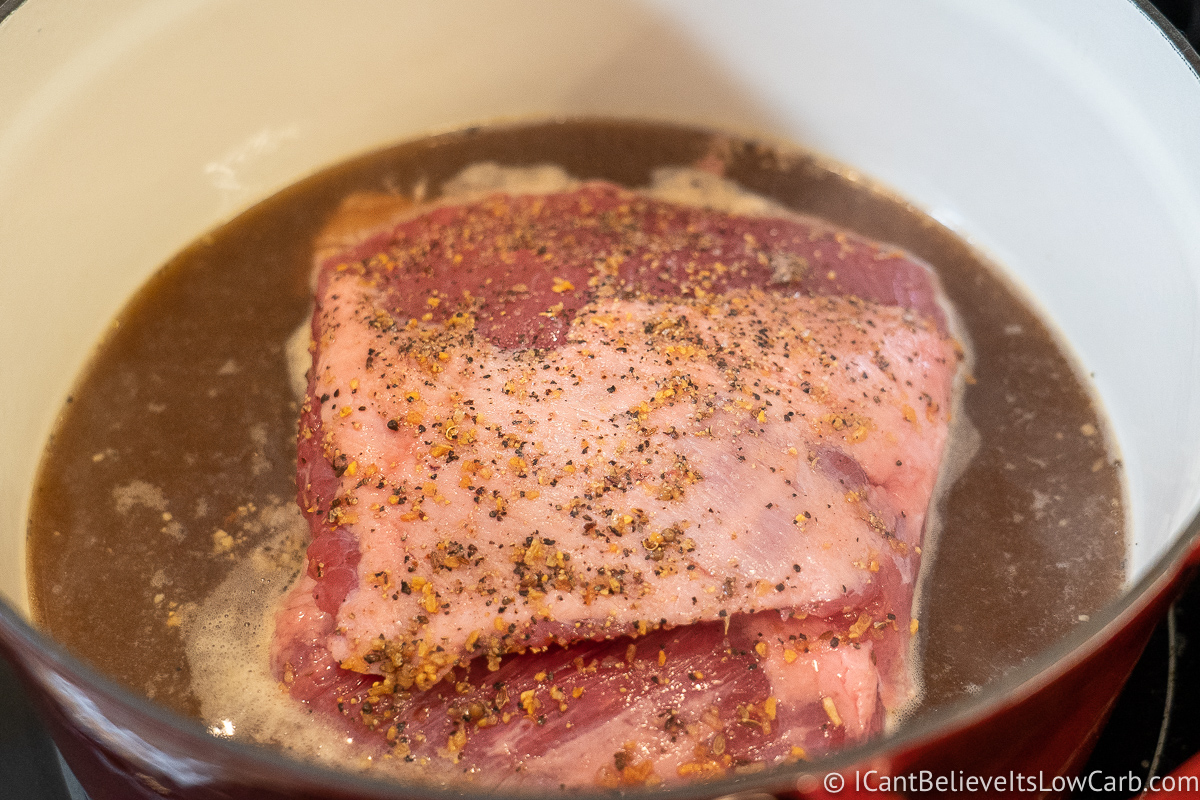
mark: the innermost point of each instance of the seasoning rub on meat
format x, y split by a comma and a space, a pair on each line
608, 488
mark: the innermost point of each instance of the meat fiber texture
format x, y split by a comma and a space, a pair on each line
609, 489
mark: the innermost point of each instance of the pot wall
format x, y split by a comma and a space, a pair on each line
1066, 150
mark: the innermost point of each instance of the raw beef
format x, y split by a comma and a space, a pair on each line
613, 488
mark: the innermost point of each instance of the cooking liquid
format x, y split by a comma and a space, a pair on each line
172, 468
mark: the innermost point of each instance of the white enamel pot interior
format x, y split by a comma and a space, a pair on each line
1062, 139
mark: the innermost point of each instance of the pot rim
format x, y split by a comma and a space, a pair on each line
1019, 684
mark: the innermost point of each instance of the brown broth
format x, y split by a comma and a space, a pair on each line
178, 441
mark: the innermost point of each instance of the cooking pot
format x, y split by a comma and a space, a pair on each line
1062, 139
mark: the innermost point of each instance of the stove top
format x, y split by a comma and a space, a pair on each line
1155, 725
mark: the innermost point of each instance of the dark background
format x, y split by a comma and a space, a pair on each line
1156, 721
